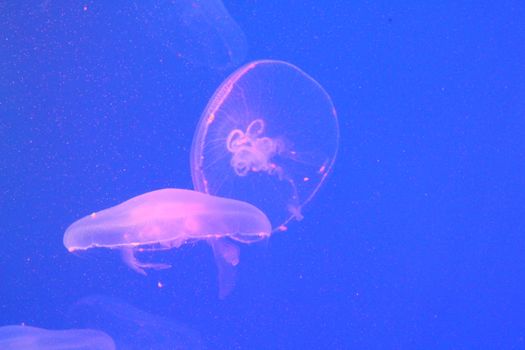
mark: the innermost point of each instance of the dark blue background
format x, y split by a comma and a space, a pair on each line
416, 240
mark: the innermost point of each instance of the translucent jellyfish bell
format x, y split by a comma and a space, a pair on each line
32, 338
169, 218
201, 32
269, 137
132, 328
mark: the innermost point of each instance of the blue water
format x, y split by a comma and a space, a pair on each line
416, 240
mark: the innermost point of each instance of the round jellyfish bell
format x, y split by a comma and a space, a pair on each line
268, 136
202, 33
168, 218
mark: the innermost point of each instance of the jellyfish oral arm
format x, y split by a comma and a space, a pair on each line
227, 258
129, 258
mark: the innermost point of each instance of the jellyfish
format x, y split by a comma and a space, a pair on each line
132, 328
32, 338
169, 218
268, 136
201, 32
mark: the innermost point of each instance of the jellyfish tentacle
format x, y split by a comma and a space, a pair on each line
128, 255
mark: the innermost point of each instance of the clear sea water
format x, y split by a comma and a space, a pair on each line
415, 241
